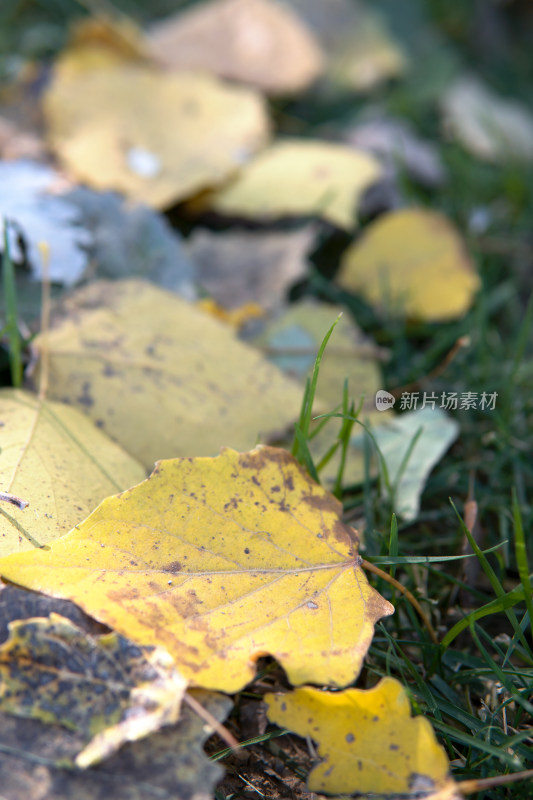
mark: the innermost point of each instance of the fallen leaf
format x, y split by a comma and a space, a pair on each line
369, 744
395, 143
161, 377
103, 686
240, 268
488, 126
57, 461
412, 262
17, 604
292, 339
437, 431
300, 177
169, 765
38, 214
129, 240
221, 561
360, 51
156, 137
258, 42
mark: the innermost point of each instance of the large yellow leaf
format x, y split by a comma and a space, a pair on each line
157, 137
103, 686
252, 41
221, 561
301, 177
55, 459
160, 376
412, 262
368, 741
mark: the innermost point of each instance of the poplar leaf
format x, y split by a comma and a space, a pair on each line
161, 377
301, 177
412, 262
55, 460
369, 744
103, 686
156, 137
221, 561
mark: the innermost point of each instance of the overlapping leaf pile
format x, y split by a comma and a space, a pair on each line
214, 561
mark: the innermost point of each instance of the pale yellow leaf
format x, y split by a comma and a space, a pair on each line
157, 137
221, 561
301, 177
53, 458
412, 262
161, 377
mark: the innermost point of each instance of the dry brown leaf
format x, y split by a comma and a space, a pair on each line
239, 268
157, 137
257, 42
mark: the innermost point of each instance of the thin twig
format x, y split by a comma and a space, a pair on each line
407, 594
217, 726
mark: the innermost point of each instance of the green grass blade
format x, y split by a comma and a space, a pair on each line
11, 321
521, 556
306, 411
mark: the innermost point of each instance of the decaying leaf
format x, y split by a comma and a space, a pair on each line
412, 262
368, 742
103, 686
258, 42
156, 137
435, 431
221, 561
168, 765
54, 458
240, 268
360, 51
161, 377
129, 240
18, 604
301, 177
488, 126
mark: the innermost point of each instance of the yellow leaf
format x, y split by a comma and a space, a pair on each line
258, 42
221, 561
58, 462
157, 137
368, 742
412, 262
161, 377
103, 686
301, 177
